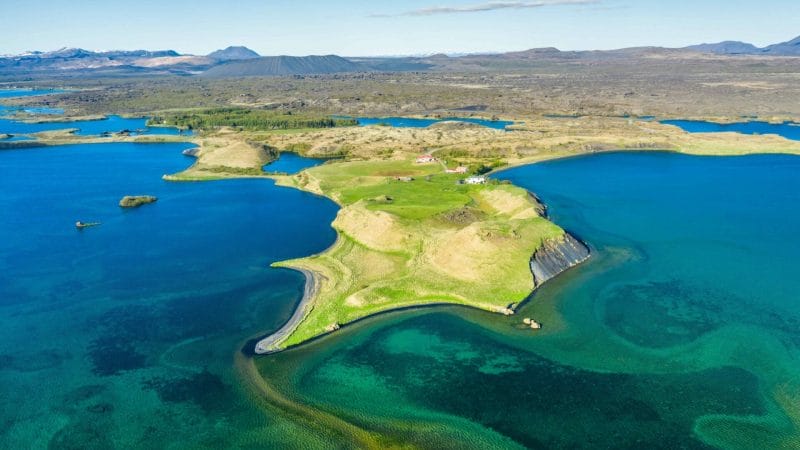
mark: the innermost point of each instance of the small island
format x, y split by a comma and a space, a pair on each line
135, 201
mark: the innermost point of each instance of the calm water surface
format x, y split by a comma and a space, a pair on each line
789, 130
681, 332
10, 93
125, 335
291, 163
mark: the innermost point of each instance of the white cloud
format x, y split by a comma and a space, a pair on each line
484, 7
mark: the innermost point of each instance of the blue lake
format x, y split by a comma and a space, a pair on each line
9, 93
291, 163
680, 332
112, 124
125, 334
8, 110
789, 130
408, 122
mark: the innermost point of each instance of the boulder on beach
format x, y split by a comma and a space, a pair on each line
134, 201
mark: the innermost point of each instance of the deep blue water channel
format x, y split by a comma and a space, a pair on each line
124, 334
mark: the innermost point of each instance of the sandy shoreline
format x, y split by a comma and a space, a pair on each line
270, 344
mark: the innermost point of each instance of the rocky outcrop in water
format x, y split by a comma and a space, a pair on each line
556, 256
135, 201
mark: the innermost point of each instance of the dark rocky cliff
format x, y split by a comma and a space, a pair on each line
556, 256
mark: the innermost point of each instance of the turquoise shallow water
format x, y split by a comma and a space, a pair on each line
125, 335
681, 331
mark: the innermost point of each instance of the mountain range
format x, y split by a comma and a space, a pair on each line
788, 48
243, 62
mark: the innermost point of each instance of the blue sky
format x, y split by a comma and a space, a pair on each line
360, 27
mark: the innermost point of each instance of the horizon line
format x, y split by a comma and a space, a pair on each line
452, 53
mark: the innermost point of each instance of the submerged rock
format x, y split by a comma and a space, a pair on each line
134, 201
556, 256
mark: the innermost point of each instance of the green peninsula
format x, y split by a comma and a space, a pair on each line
409, 235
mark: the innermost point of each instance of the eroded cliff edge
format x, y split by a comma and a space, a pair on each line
557, 255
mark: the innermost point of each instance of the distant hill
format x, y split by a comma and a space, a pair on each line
233, 54
62, 53
788, 48
391, 64
283, 65
725, 48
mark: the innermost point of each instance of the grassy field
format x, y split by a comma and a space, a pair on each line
424, 241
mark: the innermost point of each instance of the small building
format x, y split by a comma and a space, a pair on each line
459, 169
404, 179
475, 180
424, 159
